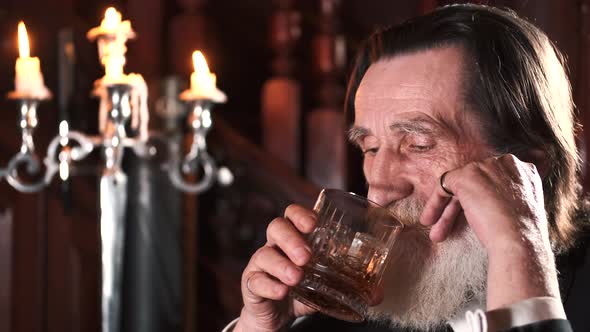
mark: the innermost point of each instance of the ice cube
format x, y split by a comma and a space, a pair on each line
367, 254
320, 241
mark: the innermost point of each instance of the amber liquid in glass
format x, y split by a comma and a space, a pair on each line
340, 277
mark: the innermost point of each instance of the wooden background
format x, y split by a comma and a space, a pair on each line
283, 65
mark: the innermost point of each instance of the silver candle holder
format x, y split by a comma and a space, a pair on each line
27, 156
61, 153
200, 122
123, 104
69, 147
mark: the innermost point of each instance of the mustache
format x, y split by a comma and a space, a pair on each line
408, 211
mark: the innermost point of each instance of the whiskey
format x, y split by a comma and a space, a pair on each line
339, 280
349, 250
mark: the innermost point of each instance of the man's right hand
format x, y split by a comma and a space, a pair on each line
273, 269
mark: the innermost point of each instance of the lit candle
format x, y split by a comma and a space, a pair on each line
114, 59
203, 82
29, 79
112, 24
112, 35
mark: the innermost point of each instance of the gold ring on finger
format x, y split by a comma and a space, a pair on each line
442, 184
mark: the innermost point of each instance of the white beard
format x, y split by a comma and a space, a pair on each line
428, 284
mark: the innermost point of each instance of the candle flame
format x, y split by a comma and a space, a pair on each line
112, 18
200, 63
23, 41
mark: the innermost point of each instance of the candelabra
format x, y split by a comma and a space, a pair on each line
72, 146
123, 105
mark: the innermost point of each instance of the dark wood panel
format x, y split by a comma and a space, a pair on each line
29, 281
86, 304
59, 276
146, 16
73, 270
6, 268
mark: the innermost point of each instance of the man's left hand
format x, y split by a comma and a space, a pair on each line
501, 199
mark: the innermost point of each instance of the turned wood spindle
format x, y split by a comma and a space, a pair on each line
281, 94
189, 31
326, 140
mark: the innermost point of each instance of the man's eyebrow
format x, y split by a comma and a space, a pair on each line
356, 133
420, 126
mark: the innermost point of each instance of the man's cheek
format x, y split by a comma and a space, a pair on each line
425, 174
367, 169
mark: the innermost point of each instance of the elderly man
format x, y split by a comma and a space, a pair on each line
465, 121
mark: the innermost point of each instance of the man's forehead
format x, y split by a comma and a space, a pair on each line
416, 80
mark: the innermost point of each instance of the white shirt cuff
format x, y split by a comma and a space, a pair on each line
518, 314
231, 325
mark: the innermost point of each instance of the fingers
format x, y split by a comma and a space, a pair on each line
269, 276
269, 260
283, 234
441, 209
303, 219
438, 201
434, 208
486, 178
442, 228
275, 267
258, 286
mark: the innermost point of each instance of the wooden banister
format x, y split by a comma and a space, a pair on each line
269, 172
233, 220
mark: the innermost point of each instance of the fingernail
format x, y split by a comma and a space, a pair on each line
310, 223
279, 289
292, 273
302, 253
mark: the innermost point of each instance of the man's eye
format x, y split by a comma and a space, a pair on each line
370, 151
420, 148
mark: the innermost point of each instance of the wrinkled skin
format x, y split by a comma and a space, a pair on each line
412, 125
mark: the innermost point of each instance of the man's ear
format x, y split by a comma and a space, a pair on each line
537, 157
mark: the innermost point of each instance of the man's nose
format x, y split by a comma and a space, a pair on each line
385, 179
